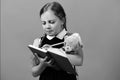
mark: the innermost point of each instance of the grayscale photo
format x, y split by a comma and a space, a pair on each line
60, 40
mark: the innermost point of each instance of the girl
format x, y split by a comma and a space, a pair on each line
53, 20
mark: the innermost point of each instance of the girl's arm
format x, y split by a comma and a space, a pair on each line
38, 68
73, 47
76, 58
37, 65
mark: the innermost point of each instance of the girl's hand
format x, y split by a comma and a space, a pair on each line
39, 68
46, 46
44, 61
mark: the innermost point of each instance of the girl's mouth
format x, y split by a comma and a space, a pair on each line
49, 31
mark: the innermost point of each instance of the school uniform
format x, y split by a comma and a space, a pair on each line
51, 73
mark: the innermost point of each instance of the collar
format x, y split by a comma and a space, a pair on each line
60, 35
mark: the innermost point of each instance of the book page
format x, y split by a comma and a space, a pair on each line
40, 49
57, 51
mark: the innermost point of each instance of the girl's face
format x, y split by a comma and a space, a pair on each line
51, 24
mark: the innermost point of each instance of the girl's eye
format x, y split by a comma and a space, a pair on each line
51, 22
43, 23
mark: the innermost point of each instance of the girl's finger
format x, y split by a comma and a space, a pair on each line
51, 62
44, 59
46, 46
36, 55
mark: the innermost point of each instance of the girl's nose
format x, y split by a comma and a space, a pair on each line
48, 26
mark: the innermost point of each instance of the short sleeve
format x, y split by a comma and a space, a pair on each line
75, 38
73, 43
36, 42
80, 40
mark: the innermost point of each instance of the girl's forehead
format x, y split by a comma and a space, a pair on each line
48, 15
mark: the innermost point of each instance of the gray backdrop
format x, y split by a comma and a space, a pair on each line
97, 21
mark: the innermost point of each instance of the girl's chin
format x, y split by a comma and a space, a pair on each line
50, 34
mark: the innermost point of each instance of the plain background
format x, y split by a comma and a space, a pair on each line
97, 21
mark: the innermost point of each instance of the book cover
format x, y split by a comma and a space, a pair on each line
58, 55
40, 52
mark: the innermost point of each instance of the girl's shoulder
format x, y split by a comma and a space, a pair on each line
73, 36
68, 33
36, 42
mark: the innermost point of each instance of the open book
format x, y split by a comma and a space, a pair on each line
58, 55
